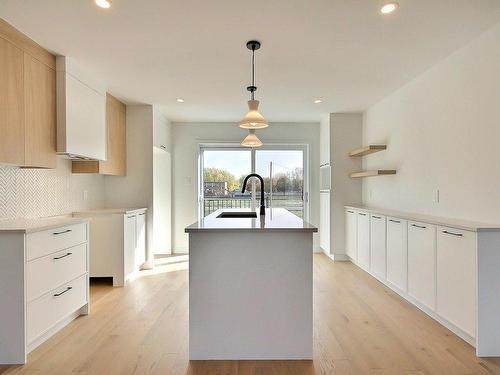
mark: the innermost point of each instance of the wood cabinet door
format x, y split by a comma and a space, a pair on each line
422, 263
11, 104
40, 113
397, 253
351, 234
457, 277
377, 246
363, 240
116, 163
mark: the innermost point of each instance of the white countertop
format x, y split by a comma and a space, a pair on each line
23, 225
447, 222
110, 211
276, 219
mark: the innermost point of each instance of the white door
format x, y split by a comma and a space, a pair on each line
129, 243
140, 247
397, 253
162, 208
324, 221
456, 277
422, 263
377, 245
364, 240
351, 233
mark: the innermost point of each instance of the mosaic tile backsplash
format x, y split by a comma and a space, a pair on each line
32, 193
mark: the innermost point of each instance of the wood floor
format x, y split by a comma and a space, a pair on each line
360, 327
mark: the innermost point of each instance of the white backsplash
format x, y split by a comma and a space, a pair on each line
34, 193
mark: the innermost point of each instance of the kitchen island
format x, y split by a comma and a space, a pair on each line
250, 286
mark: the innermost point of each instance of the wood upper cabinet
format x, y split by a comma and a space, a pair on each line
27, 98
39, 113
116, 163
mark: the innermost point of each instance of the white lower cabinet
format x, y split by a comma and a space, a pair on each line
363, 240
140, 240
324, 221
397, 252
44, 283
456, 277
377, 245
129, 243
422, 263
351, 234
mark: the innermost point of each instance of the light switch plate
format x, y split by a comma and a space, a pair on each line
435, 197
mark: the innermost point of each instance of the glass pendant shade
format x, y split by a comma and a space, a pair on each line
253, 119
251, 140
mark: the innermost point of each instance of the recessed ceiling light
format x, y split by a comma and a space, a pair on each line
389, 8
317, 101
180, 100
103, 4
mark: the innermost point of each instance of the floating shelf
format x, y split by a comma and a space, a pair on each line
367, 150
378, 172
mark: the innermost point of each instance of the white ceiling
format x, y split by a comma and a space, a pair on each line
342, 51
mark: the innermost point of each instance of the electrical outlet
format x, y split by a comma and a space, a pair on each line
85, 195
435, 197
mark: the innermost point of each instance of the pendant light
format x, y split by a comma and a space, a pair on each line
253, 119
251, 140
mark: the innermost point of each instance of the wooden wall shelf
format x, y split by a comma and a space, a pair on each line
378, 172
367, 150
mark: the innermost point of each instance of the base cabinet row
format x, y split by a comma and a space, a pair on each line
432, 266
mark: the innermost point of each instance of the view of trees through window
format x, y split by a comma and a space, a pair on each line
225, 170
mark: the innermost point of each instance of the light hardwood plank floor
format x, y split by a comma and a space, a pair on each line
360, 327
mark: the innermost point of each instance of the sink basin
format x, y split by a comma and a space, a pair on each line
235, 214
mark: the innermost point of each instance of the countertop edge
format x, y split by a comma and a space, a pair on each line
61, 222
435, 220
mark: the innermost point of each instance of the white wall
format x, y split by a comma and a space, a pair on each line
442, 130
187, 138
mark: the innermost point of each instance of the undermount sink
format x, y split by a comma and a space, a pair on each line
235, 214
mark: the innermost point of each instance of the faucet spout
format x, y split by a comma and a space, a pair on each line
262, 203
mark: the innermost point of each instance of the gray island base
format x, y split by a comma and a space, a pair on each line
250, 287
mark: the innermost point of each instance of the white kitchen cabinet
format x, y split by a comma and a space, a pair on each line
140, 240
422, 263
44, 282
351, 233
324, 221
397, 252
377, 246
117, 242
363, 239
456, 277
81, 113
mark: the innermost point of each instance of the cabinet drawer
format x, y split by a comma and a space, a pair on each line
46, 273
456, 277
50, 241
46, 311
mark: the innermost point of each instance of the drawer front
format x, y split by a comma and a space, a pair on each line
46, 273
456, 277
44, 312
50, 241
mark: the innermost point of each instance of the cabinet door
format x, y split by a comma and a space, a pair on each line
377, 245
456, 277
11, 104
397, 253
140, 249
351, 234
116, 139
422, 263
129, 242
324, 222
40, 114
363, 237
